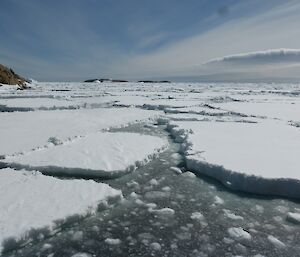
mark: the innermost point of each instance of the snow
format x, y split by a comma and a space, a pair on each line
239, 234
23, 131
93, 154
37, 103
280, 109
254, 157
30, 200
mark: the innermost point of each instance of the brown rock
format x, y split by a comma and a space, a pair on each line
8, 76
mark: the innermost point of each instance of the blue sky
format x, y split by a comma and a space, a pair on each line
80, 39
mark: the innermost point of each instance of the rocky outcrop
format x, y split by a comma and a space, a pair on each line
8, 76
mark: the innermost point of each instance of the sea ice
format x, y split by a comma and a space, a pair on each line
30, 200
254, 157
24, 131
92, 155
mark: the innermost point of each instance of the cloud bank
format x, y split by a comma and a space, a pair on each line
272, 56
273, 64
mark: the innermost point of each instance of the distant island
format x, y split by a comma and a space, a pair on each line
122, 80
105, 80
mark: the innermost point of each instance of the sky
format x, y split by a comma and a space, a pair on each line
74, 40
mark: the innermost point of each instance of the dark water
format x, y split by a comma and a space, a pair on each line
168, 214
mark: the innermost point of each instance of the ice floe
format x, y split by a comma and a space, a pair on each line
21, 132
93, 155
258, 158
30, 200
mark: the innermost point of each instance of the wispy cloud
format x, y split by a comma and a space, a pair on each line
273, 63
73, 40
276, 28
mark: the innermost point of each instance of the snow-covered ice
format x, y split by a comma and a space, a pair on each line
245, 135
93, 154
30, 200
279, 110
23, 131
246, 156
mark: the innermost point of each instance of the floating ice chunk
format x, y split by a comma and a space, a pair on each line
189, 174
197, 216
156, 194
145, 235
176, 170
278, 219
93, 154
77, 236
241, 249
293, 217
134, 195
239, 233
164, 212
153, 182
155, 246
37, 207
139, 202
81, 255
184, 236
133, 184
151, 205
112, 241
166, 189
176, 156
282, 209
276, 242
231, 215
227, 240
218, 200
46, 246
259, 208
